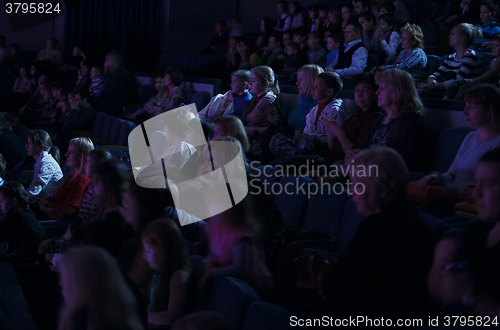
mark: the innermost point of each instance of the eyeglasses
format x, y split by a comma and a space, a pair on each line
347, 32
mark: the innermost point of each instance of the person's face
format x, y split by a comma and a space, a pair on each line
321, 92
42, 89
358, 8
257, 86
301, 83
78, 100
73, 158
312, 15
487, 191
350, 34
292, 8
366, 202
49, 44
331, 18
262, 26
65, 108
159, 85
22, 71
331, 44
364, 95
298, 39
85, 70
486, 14
384, 26
346, 14
291, 51
219, 131
76, 51
32, 149
89, 166
72, 102
55, 93
109, 64
279, 8
383, 96
476, 115
6, 204
272, 43
130, 210
367, 25
238, 85
232, 43
149, 255
218, 28
12, 51
455, 38
407, 41
169, 136
382, 12
312, 41
495, 50
323, 14
33, 70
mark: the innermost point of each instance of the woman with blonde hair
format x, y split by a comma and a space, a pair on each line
95, 293
402, 126
66, 200
231, 126
413, 58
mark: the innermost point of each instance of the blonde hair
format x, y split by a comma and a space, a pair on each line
234, 127
391, 172
416, 33
310, 71
404, 96
82, 145
470, 31
95, 282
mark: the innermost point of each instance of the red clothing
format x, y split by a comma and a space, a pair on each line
67, 199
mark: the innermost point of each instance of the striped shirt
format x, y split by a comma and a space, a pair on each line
453, 68
414, 62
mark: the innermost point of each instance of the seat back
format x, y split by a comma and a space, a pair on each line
201, 100
265, 316
292, 199
350, 223
106, 127
449, 142
125, 128
115, 128
268, 177
99, 123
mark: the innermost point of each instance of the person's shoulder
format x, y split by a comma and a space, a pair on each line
335, 103
270, 97
180, 276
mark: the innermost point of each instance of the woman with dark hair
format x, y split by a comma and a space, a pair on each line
266, 28
298, 19
50, 53
173, 80
218, 44
248, 52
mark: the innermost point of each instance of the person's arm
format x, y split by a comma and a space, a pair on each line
391, 47
415, 58
73, 198
358, 64
467, 64
179, 288
40, 180
205, 113
241, 260
492, 72
310, 117
335, 132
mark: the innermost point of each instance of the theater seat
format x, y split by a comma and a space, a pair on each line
292, 199
265, 316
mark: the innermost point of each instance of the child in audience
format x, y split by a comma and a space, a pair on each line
458, 65
154, 104
492, 76
165, 251
173, 80
368, 22
316, 53
240, 83
231, 126
389, 39
48, 175
97, 80
284, 19
20, 230
96, 295
220, 105
313, 16
271, 53
24, 84
248, 52
333, 42
487, 14
291, 61
84, 77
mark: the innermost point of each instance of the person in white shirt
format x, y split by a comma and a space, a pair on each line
353, 58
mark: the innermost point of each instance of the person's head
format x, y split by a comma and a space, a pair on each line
347, 12
24, 72
367, 21
231, 126
333, 41
82, 96
85, 67
387, 8
231, 43
481, 106
396, 92
282, 7
14, 50
94, 157
266, 25
306, 76
488, 11
65, 107
177, 124
91, 279
159, 84
334, 16
327, 86
313, 39
361, 6
77, 50
299, 35
112, 62
13, 197
387, 22
313, 12
292, 49
463, 35
205, 320
220, 27
33, 70
364, 91
110, 180
78, 149
295, 8
3, 41
353, 31
412, 37
239, 81
386, 180
38, 141
323, 11
96, 72
487, 190
51, 43
496, 45
287, 37
263, 80
275, 41
245, 46
142, 205
173, 76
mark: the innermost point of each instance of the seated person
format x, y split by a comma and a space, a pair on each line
464, 273
264, 108
413, 58
333, 42
74, 60
300, 37
174, 95
11, 146
388, 37
248, 53
82, 115
220, 105
459, 65
316, 53
369, 23
83, 81
50, 53
96, 80
291, 60
488, 13
240, 82
271, 52
36, 102
231, 126
352, 60
155, 103
24, 84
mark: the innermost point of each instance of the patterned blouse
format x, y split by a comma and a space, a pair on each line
47, 178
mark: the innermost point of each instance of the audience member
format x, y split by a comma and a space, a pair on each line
347, 14
333, 42
387, 36
218, 44
3, 50
11, 146
231, 126
298, 20
271, 53
284, 18
316, 53
50, 53
96, 80
353, 59
84, 79
266, 28
291, 60
248, 52
487, 14
313, 17
361, 6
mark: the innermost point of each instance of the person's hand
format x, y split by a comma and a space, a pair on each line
298, 136
46, 203
432, 83
281, 56
379, 35
42, 248
467, 193
351, 154
429, 180
22, 110
451, 19
331, 127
